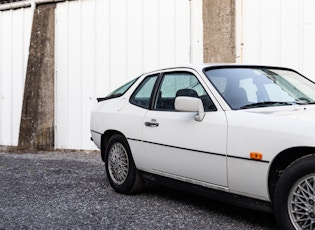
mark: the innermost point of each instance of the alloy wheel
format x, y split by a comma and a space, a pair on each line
118, 164
301, 203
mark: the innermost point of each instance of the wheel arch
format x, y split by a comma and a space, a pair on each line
105, 139
282, 161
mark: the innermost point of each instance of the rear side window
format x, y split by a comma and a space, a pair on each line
142, 96
122, 89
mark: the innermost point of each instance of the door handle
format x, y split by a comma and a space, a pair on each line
152, 123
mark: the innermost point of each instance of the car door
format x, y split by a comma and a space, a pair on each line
175, 144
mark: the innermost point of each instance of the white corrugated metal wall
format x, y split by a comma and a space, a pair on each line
276, 32
15, 31
101, 44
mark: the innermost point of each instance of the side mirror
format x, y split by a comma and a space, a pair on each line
190, 104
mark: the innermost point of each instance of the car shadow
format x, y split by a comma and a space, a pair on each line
245, 215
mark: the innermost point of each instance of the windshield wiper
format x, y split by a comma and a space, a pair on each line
309, 103
265, 104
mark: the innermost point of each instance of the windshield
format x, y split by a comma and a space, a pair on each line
252, 87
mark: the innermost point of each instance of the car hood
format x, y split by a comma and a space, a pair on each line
301, 113
273, 129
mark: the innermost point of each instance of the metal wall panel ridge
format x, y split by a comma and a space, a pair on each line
101, 44
15, 31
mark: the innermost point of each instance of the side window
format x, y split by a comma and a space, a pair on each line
180, 84
142, 96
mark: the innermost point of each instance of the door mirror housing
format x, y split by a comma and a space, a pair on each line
190, 104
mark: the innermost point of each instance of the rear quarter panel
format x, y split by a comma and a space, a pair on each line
121, 116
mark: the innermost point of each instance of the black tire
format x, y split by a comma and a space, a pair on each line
120, 167
294, 198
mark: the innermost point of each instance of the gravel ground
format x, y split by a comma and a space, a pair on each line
58, 190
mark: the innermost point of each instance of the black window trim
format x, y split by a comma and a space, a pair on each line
156, 90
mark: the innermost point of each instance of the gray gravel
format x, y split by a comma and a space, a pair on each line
57, 190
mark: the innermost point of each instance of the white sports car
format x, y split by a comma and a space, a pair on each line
238, 133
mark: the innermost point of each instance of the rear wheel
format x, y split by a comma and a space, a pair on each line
294, 200
120, 167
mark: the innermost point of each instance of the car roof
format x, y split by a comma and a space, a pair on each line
201, 66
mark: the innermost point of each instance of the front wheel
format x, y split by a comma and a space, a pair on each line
294, 200
120, 167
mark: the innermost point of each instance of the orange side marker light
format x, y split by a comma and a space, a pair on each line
256, 156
